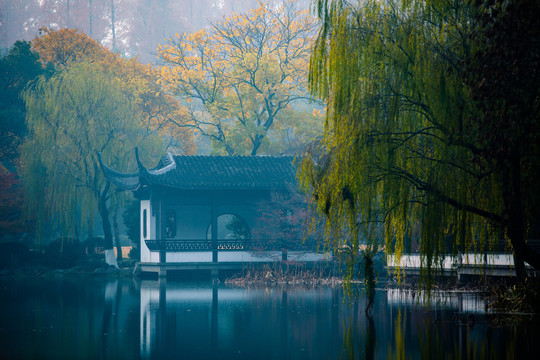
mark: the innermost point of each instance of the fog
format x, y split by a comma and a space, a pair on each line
129, 27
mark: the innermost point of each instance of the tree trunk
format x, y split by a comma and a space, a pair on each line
117, 237
113, 28
90, 6
257, 142
110, 259
514, 218
90, 234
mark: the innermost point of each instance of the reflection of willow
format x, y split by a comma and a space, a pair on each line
111, 309
368, 271
464, 344
350, 335
449, 338
369, 280
399, 337
369, 287
371, 337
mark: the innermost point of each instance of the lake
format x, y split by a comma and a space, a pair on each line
97, 318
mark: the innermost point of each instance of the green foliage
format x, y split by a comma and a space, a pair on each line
12, 254
402, 157
132, 220
20, 66
64, 253
135, 253
72, 116
238, 228
285, 217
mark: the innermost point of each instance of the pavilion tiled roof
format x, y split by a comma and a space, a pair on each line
211, 173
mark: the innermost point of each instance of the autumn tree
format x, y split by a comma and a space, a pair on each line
74, 115
64, 46
159, 111
241, 78
406, 150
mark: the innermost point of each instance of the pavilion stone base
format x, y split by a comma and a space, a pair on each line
228, 261
245, 256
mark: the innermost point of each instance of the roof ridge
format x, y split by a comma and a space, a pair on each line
234, 156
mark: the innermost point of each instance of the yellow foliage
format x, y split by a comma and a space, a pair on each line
142, 82
244, 62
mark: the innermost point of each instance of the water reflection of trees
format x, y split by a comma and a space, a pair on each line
413, 331
447, 335
100, 318
68, 319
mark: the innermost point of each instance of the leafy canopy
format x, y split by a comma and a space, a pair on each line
20, 66
72, 116
241, 79
401, 160
158, 112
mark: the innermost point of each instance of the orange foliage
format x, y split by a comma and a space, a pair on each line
159, 111
63, 46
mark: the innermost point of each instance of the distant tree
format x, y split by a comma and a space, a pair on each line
159, 111
132, 220
286, 217
72, 116
242, 78
138, 27
11, 200
64, 46
20, 66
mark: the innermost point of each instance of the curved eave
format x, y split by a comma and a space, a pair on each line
127, 182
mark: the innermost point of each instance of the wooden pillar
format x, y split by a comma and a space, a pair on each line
213, 216
161, 230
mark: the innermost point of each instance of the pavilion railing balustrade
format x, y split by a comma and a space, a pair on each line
255, 245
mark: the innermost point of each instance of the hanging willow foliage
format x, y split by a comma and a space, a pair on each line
72, 116
398, 165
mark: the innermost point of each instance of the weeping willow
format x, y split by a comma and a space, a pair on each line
398, 165
71, 116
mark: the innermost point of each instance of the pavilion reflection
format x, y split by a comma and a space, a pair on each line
198, 320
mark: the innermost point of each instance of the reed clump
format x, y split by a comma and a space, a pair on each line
521, 298
281, 274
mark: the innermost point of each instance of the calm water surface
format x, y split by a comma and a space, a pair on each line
129, 319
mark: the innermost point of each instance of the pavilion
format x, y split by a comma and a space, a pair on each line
198, 212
